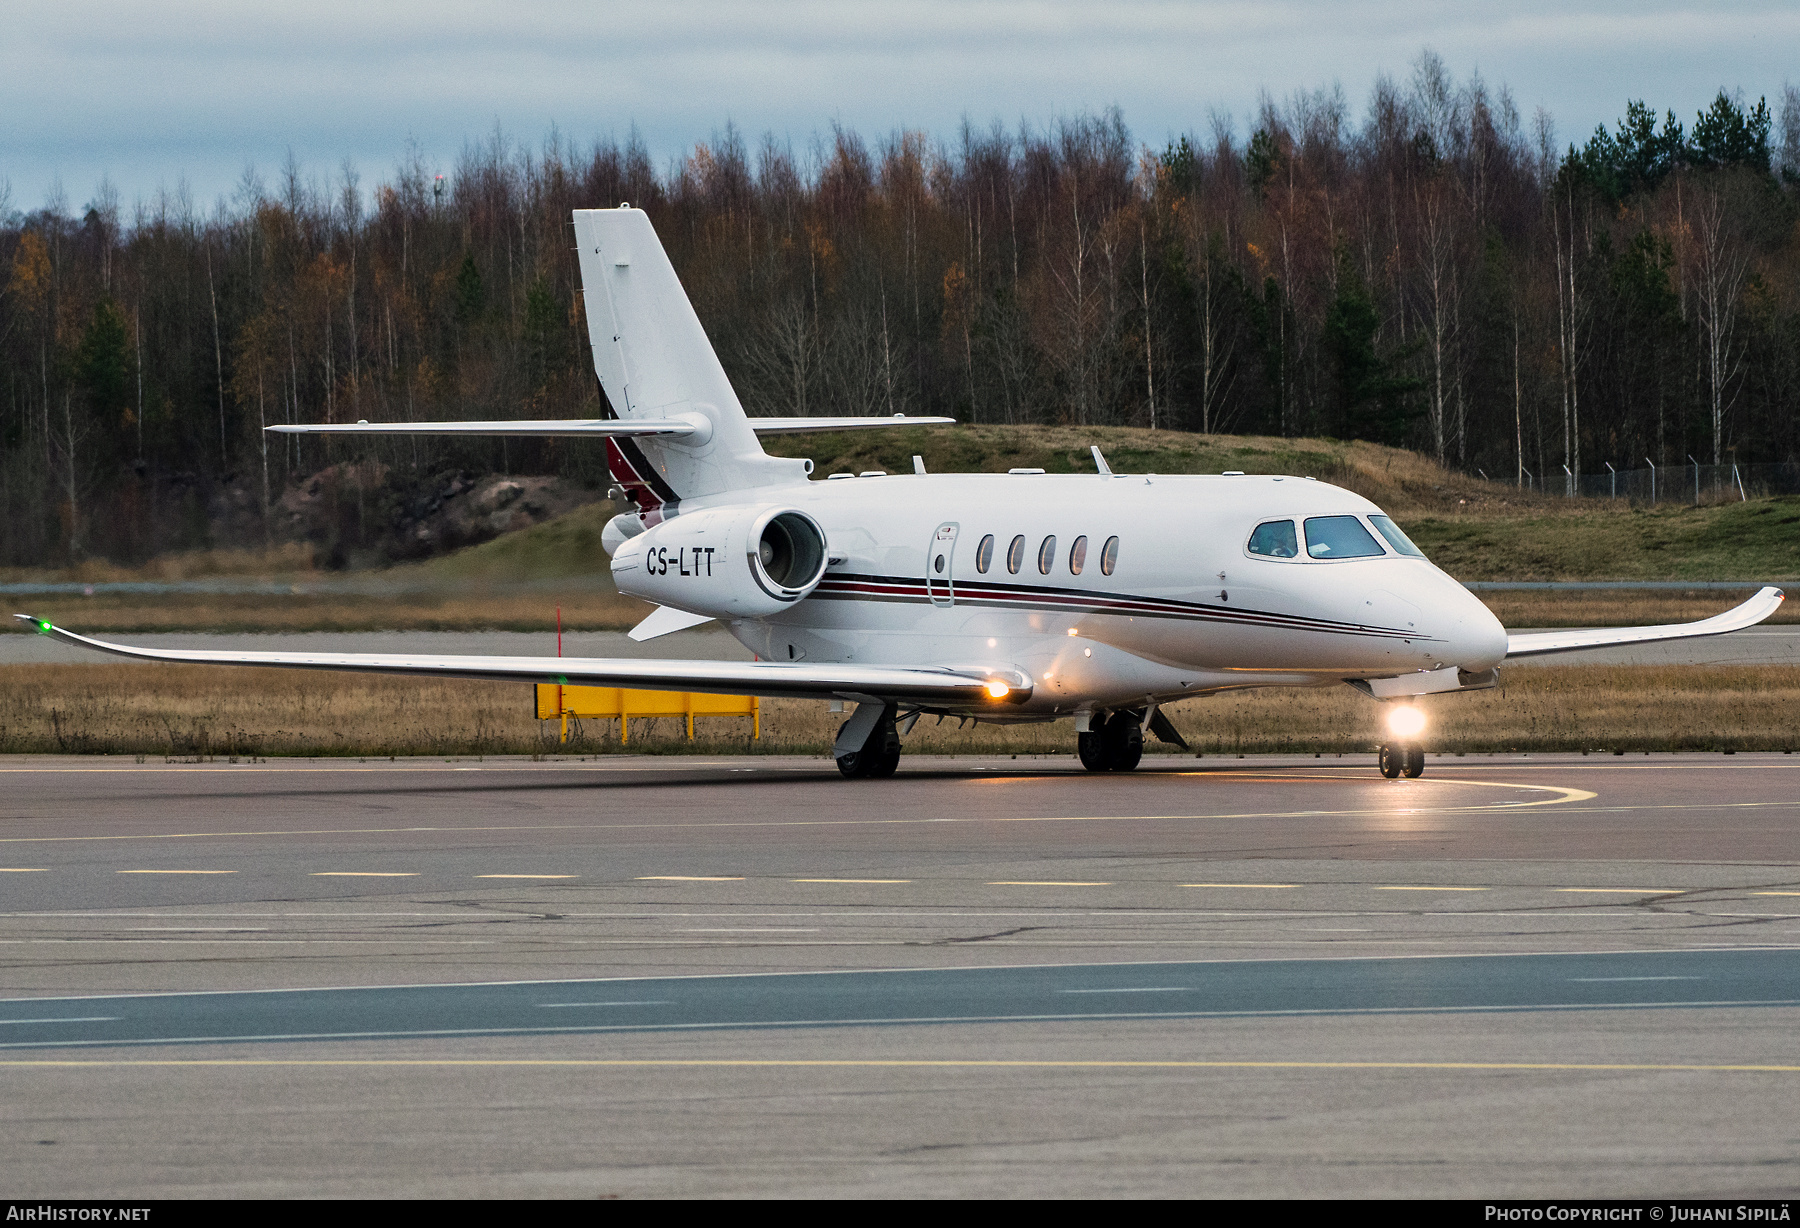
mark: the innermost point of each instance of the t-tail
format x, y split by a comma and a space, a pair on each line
656, 363
673, 426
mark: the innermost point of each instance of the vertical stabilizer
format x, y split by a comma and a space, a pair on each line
654, 361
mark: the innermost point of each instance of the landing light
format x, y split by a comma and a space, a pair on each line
997, 689
1406, 722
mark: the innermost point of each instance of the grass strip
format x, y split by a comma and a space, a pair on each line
202, 712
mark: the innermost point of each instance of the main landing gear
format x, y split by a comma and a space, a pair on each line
877, 752
1113, 746
1402, 759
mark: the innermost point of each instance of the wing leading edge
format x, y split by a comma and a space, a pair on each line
1751, 612
986, 688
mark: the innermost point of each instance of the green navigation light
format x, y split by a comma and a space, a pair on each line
43, 626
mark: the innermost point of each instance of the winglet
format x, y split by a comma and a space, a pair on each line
1537, 643
42, 625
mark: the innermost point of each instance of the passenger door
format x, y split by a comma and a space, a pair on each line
940, 561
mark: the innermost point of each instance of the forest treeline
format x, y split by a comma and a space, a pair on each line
1440, 273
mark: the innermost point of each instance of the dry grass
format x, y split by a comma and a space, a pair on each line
468, 610
189, 712
291, 558
1619, 607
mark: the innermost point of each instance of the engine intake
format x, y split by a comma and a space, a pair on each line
789, 557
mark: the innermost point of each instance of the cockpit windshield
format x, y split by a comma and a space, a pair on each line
1401, 543
1339, 537
1276, 539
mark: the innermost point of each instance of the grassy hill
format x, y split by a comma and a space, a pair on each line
1474, 529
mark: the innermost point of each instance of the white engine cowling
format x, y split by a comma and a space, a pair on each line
729, 562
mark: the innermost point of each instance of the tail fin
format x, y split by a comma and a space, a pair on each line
654, 361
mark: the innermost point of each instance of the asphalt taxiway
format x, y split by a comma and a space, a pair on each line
1516, 975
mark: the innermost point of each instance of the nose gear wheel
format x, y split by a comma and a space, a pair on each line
1403, 760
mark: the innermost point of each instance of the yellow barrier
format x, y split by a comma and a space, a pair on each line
560, 702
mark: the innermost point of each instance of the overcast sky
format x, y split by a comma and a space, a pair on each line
151, 93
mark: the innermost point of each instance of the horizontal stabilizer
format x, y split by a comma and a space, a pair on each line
570, 427
961, 688
1538, 643
599, 427
797, 426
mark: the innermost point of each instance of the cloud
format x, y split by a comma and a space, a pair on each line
149, 93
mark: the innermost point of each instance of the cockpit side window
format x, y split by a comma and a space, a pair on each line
1395, 538
1276, 539
1340, 537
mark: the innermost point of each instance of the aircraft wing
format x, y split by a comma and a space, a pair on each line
1538, 643
773, 679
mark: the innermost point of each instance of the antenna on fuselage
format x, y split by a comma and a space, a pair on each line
918, 463
1100, 465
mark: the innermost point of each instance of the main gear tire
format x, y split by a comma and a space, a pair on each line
879, 756
1124, 741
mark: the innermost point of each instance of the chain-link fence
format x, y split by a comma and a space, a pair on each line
1684, 483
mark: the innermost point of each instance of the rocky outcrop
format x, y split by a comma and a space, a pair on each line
363, 515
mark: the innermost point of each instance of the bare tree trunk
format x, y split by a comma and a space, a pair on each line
262, 435
1149, 362
1568, 338
294, 403
330, 369
71, 488
1518, 405
887, 350
137, 346
218, 361
1440, 296
355, 391
1722, 267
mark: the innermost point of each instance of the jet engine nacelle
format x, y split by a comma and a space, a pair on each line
729, 562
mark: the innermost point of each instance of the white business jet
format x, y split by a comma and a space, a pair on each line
1009, 598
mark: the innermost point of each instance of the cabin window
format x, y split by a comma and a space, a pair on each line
1078, 555
1395, 538
984, 554
1340, 537
1047, 555
1015, 554
1276, 540
1109, 556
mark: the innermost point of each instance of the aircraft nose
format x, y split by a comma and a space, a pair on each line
1477, 640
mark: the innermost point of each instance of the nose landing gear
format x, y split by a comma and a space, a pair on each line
1402, 759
